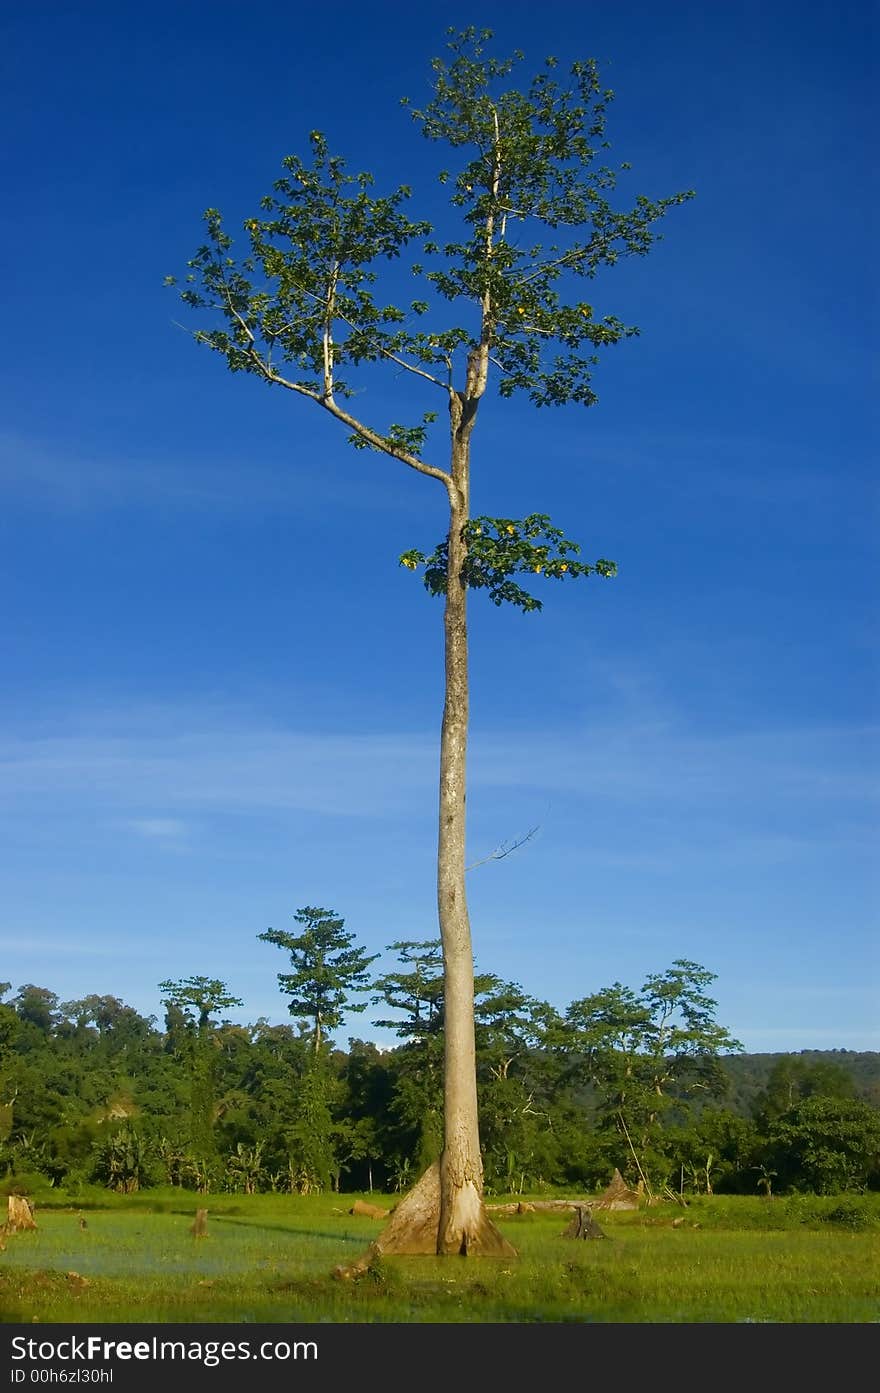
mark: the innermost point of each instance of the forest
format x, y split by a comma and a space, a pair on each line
645, 1080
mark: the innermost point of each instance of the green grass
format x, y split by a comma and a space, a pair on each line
270, 1258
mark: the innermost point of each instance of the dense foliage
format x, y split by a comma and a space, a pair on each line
647, 1081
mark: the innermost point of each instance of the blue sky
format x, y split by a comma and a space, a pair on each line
220, 694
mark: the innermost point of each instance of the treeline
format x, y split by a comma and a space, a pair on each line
92, 1092
749, 1074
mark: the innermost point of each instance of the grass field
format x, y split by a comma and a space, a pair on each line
271, 1258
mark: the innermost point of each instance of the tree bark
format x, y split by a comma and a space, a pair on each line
445, 1213
461, 1169
20, 1214
464, 1226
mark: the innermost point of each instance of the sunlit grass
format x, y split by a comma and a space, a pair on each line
271, 1258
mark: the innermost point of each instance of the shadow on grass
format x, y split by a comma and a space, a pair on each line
285, 1229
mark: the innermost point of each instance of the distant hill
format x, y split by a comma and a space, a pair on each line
748, 1073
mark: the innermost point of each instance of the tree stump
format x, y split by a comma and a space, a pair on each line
20, 1214
583, 1225
200, 1228
619, 1195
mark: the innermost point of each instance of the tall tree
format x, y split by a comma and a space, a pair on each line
328, 968
298, 311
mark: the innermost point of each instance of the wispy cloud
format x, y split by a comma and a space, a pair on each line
73, 481
178, 762
769, 470
55, 476
657, 760
165, 830
232, 769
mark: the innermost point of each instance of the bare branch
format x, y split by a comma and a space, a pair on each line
234, 312
569, 258
401, 362
264, 367
332, 312
504, 849
499, 366
410, 367
372, 438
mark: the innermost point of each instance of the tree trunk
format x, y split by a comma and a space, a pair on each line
445, 1213
464, 1226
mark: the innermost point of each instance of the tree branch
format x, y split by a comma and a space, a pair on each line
372, 438
327, 336
234, 312
419, 372
504, 849
568, 259
333, 312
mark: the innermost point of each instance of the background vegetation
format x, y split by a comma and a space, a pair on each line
94, 1094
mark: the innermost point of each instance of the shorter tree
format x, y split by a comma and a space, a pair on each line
511, 1068
37, 1007
826, 1146
363, 1139
416, 992
199, 998
329, 969
115, 1026
122, 1160
647, 1052
191, 1002
792, 1080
